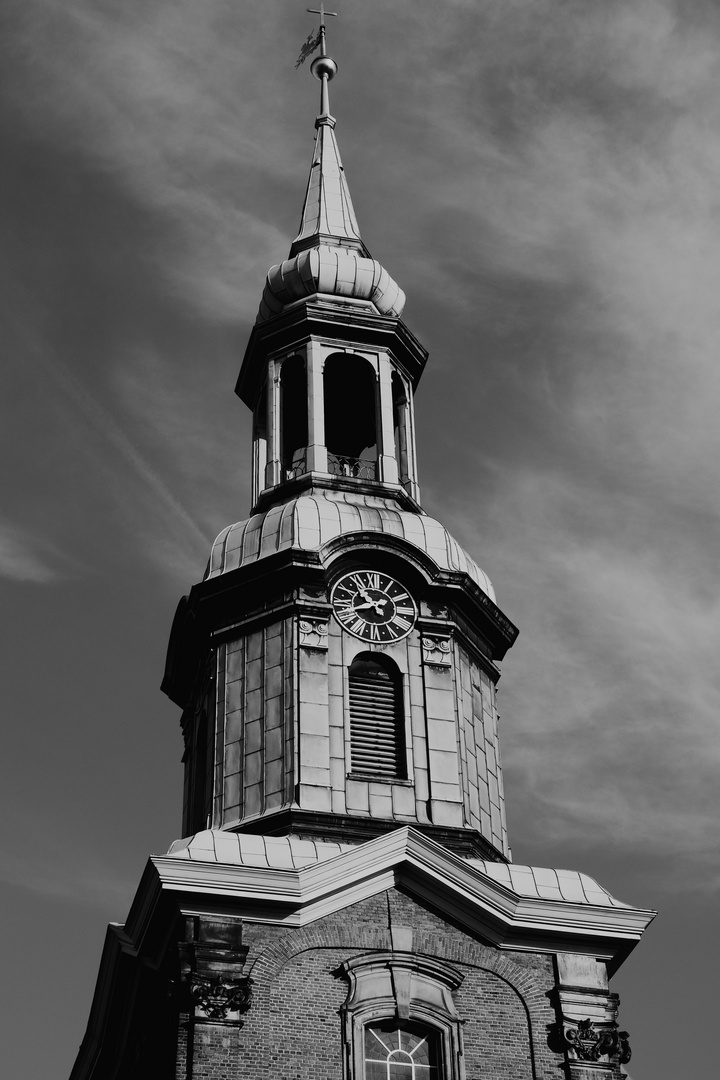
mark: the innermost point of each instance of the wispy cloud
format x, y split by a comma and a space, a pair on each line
611, 696
571, 229
541, 178
24, 557
152, 96
559, 251
108, 428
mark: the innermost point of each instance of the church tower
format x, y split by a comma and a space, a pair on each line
343, 904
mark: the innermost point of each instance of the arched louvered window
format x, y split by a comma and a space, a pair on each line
377, 744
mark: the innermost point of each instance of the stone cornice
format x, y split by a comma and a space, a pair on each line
405, 858
333, 321
312, 482
250, 592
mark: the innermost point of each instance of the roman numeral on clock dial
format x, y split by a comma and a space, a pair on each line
373, 606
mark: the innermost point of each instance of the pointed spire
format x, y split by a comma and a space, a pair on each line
328, 256
328, 216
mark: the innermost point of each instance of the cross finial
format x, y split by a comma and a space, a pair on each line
322, 13
323, 66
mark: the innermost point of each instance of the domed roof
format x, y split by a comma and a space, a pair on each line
328, 255
331, 270
310, 521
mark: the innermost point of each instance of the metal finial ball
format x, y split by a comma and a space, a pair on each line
324, 66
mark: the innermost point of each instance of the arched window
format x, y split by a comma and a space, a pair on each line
198, 731
293, 417
259, 441
198, 775
399, 1018
350, 393
377, 743
400, 427
401, 1052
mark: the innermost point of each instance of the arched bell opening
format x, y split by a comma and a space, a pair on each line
401, 429
350, 393
260, 442
293, 417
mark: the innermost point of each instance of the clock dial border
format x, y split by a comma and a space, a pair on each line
374, 589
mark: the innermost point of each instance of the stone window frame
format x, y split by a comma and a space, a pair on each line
400, 733
408, 988
396, 652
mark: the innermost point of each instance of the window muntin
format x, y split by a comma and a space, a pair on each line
407, 1052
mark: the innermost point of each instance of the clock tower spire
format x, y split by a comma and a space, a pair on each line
342, 902
330, 370
337, 665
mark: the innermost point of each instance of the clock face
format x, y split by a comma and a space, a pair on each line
373, 606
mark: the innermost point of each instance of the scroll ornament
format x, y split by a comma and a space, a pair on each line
314, 633
437, 650
590, 1042
217, 996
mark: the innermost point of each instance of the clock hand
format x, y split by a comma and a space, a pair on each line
377, 604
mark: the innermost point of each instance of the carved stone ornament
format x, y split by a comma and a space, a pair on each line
217, 996
586, 1041
314, 633
437, 650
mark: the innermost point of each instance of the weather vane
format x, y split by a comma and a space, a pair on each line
323, 66
315, 40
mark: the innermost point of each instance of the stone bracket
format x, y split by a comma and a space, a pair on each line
313, 633
212, 958
437, 649
589, 1042
219, 998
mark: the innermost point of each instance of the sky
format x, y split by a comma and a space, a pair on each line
541, 178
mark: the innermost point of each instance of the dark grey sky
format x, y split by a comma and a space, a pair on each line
541, 177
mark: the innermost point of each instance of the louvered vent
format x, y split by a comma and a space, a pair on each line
377, 747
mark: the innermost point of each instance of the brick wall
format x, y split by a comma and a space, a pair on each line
294, 1027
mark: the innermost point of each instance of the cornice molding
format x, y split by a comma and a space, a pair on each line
256, 591
336, 322
310, 482
403, 858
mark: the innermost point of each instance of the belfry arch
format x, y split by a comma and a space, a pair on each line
293, 417
351, 416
